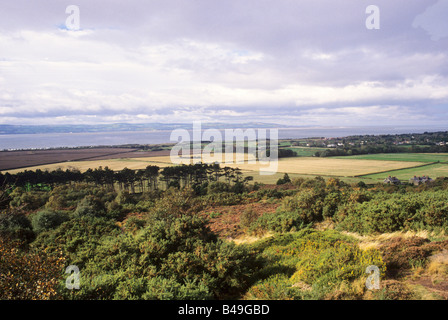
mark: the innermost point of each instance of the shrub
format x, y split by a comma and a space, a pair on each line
30, 200
248, 217
307, 203
159, 288
272, 193
47, 219
175, 203
134, 224
312, 264
393, 290
280, 222
90, 206
115, 211
16, 226
284, 180
167, 259
222, 199
384, 213
76, 238
276, 287
218, 187
331, 203
28, 275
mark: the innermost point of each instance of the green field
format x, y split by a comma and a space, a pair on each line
305, 151
431, 170
413, 157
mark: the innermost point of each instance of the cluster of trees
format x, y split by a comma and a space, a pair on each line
193, 175
286, 153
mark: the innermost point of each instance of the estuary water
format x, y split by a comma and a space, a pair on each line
70, 140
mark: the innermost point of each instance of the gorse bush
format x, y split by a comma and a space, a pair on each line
307, 203
248, 217
222, 199
28, 200
284, 180
47, 219
218, 187
69, 196
178, 258
77, 238
390, 213
310, 264
28, 274
278, 222
90, 206
16, 226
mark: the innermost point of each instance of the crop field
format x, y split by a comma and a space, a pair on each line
113, 164
10, 160
330, 167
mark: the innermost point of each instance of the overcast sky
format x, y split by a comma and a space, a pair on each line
279, 61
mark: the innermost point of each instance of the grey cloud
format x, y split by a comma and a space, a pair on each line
304, 44
434, 20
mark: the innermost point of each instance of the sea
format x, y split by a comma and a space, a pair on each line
94, 139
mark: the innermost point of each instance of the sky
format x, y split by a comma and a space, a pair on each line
291, 62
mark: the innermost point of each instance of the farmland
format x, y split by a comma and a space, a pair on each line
431, 170
311, 158
412, 157
297, 166
10, 160
368, 168
113, 164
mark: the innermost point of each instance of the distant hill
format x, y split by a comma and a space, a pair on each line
35, 129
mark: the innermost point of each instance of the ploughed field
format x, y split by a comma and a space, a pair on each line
54, 158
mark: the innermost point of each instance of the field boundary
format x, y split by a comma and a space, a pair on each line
423, 165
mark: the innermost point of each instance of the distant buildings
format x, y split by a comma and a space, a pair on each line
391, 180
416, 181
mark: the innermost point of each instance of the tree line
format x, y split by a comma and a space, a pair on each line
150, 178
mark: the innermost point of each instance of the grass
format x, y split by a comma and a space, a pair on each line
375, 240
412, 157
272, 179
432, 170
